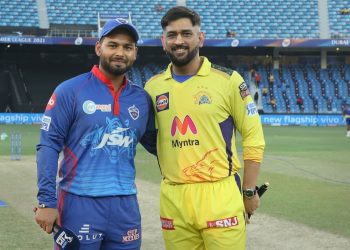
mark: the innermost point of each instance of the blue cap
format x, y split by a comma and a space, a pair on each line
119, 23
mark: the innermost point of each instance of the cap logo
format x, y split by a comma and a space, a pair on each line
121, 20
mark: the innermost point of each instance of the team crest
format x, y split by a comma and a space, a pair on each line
202, 97
134, 112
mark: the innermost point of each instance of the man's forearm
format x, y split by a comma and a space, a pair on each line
251, 173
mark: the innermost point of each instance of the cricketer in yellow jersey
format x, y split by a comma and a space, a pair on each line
198, 107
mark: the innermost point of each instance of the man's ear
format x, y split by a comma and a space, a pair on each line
136, 52
98, 48
162, 38
201, 39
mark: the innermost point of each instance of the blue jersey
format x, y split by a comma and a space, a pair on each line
97, 130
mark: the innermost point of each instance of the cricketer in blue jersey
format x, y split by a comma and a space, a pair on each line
96, 119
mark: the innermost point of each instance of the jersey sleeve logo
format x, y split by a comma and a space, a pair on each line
251, 109
243, 90
45, 123
162, 102
52, 102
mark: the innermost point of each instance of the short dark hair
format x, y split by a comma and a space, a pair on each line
178, 12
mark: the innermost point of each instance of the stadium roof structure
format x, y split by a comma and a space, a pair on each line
229, 42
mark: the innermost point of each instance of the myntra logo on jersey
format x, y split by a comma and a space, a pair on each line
90, 107
182, 127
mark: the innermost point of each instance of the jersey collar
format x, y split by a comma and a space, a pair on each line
203, 71
98, 73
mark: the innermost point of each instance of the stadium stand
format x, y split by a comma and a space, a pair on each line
17, 13
322, 90
259, 19
85, 12
338, 21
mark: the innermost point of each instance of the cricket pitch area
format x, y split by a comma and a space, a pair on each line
18, 229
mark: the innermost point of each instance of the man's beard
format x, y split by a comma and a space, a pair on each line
184, 61
116, 71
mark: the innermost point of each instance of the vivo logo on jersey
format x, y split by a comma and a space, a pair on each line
182, 126
115, 139
228, 222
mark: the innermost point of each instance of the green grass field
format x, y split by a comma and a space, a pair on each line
308, 170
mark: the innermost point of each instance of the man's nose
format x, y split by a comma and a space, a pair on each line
179, 39
119, 51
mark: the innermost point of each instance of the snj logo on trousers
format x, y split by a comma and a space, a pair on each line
228, 222
162, 102
90, 107
183, 128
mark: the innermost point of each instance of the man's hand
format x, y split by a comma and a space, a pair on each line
46, 217
251, 205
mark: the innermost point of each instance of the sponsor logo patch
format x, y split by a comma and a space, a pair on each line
162, 102
90, 107
167, 224
251, 109
114, 139
86, 235
131, 235
228, 222
45, 123
182, 126
52, 102
62, 240
243, 90
134, 112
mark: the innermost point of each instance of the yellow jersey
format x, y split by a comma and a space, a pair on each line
197, 120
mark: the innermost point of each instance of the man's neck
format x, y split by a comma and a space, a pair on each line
116, 81
189, 69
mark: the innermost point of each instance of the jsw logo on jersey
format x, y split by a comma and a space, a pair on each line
115, 138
